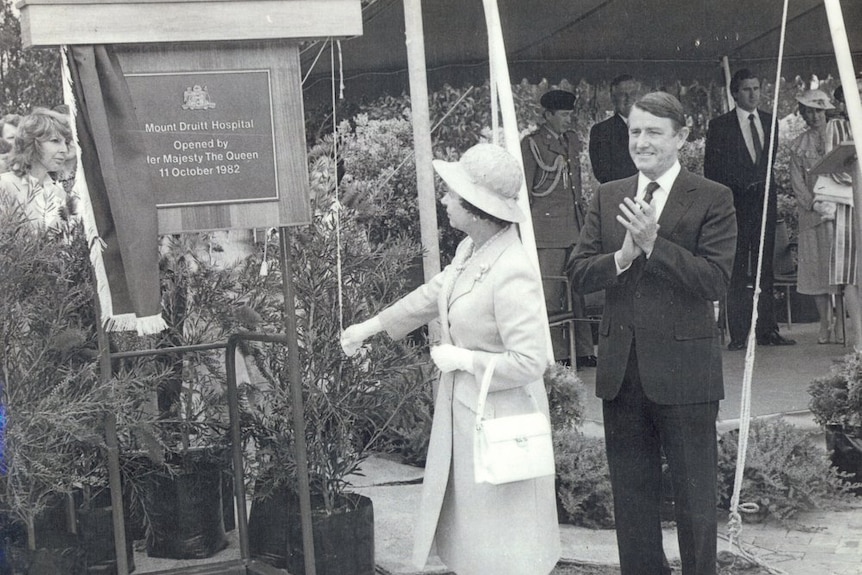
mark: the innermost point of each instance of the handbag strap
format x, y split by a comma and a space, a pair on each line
483, 390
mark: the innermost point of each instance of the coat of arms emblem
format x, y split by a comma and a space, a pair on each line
197, 98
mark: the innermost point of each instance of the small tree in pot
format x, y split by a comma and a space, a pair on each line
52, 398
836, 403
181, 471
349, 404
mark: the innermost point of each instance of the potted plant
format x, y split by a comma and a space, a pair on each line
836, 403
349, 405
53, 399
182, 472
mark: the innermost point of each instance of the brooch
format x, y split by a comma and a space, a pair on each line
483, 269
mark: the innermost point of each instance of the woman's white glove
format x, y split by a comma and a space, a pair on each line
353, 337
825, 209
450, 358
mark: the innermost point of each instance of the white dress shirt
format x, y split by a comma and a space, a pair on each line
659, 196
745, 126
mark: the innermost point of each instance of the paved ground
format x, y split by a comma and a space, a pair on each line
821, 543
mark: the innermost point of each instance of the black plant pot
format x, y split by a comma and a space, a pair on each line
343, 541
845, 447
227, 499
184, 510
96, 534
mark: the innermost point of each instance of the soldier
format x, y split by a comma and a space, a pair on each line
553, 175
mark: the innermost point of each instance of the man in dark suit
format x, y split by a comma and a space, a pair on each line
609, 139
737, 145
661, 245
552, 171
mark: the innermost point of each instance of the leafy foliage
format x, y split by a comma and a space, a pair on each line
565, 396
53, 396
346, 266
345, 400
28, 78
785, 473
836, 399
583, 480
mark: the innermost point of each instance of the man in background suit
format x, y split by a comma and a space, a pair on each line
552, 171
661, 245
737, 145
609, 139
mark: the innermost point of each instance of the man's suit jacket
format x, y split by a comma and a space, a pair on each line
664, 302
728, 161
609, 150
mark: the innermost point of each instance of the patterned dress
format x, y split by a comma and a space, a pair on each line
45, 202
816, 234
844, 261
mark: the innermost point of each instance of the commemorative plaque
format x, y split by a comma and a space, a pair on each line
217, 90
224, 132
209, 135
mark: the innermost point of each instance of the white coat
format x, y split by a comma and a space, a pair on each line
490, 304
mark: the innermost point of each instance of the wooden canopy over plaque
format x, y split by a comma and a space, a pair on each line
55, 22
216, 86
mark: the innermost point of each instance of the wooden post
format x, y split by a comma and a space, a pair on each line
415, 41
294, 370
112, 448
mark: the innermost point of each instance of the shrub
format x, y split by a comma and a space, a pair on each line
584, 493
52, 399
565, 396
785, 473
836, 399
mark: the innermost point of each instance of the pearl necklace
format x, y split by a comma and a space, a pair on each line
451, 278
475, 252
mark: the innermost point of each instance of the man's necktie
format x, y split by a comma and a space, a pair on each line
650, 189
755, 138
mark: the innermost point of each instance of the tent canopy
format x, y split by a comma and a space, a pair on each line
658, 40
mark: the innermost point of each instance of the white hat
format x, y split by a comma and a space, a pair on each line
815, 99
488, 177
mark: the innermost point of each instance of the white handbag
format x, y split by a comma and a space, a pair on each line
512, 448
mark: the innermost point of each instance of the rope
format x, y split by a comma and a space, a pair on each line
314, 62
337, 204
734, 525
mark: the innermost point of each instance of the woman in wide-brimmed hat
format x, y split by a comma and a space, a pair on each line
488, 301
816, 218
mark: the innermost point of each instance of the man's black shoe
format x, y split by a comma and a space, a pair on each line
736, 345
586, 361
774, 338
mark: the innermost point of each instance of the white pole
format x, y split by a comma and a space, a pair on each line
728, 97
847, 74
500, 77
423, 155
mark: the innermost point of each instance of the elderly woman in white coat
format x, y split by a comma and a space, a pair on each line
489, 303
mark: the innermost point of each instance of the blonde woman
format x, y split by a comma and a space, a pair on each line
41, 147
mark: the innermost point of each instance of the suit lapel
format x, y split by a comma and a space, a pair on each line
679, 199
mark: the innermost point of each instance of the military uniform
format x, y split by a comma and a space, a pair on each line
553, 175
